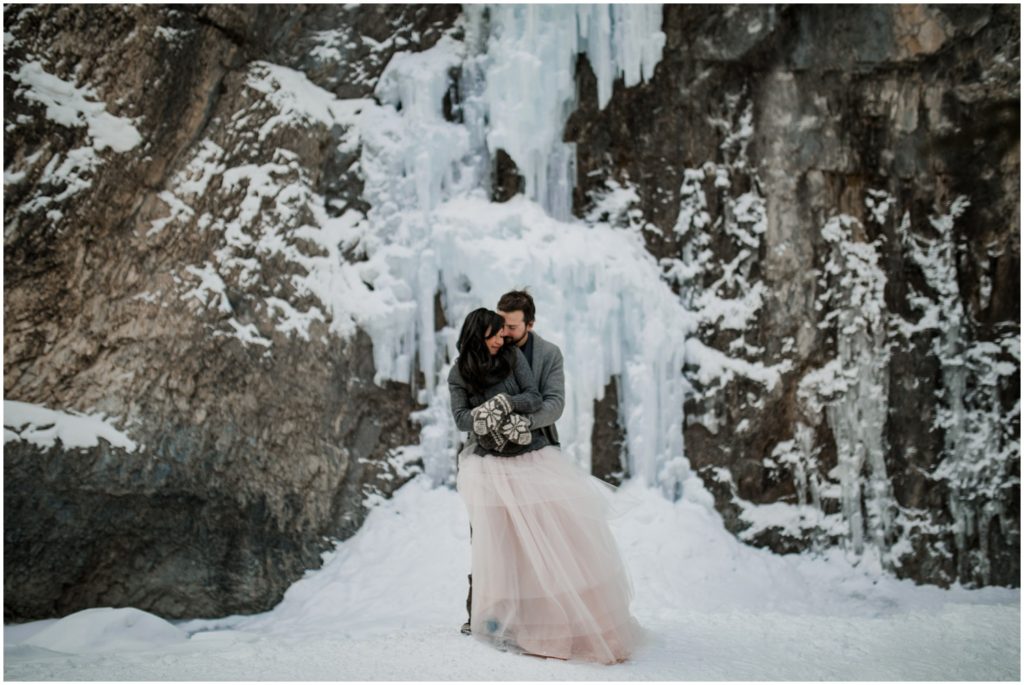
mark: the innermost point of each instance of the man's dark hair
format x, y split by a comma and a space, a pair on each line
518, 301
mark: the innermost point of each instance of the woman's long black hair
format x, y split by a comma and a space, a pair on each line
478, 368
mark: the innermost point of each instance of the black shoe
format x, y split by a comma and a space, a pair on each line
465, 630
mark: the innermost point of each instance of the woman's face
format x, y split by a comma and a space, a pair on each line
493, 340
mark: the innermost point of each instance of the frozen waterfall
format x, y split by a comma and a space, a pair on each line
433, 231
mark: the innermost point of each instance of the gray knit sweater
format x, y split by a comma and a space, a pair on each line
521, 388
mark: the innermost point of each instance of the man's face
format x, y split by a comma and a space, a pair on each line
515, 329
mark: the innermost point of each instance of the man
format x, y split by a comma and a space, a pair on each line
544, 357
545, 360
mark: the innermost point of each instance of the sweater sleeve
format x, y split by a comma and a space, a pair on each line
528, 400
459, 399
553, 395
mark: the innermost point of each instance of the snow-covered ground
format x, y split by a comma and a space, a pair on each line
388, 603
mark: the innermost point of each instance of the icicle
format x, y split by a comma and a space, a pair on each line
854, 387
529, 71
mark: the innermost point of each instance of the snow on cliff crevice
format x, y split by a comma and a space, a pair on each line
981, 445
73, 106
70, 106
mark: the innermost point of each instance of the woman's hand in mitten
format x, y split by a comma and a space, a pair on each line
487, 416
517, 429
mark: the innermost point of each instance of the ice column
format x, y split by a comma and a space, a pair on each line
528, 69
412, 160
853, 388
620, 40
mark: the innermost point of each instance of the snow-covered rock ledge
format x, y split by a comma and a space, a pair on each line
44, 427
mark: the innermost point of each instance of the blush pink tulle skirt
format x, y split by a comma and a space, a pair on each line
548, 578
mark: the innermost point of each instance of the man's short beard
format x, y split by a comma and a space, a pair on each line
514, 341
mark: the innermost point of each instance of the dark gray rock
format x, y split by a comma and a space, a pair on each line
507, 181
608, 438
786, 117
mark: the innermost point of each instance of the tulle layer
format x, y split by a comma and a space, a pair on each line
548, 578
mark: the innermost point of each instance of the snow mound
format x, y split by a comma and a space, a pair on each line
104, 630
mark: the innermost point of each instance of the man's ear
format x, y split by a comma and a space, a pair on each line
529, 326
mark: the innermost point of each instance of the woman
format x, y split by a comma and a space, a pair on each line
548, 579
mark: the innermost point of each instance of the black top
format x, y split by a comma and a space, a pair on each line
528, 349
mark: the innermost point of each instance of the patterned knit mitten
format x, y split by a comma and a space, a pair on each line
517, 429
489, 415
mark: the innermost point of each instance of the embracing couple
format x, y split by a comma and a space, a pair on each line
547, 577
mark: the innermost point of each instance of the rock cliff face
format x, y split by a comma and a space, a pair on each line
258, 445
834, 189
